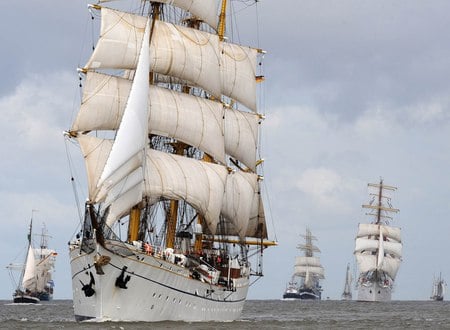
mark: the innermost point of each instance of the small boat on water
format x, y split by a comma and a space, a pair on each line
35, 282
347, 294
438, 290
309, 270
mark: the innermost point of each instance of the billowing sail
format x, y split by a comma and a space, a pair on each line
365, 244
368, 262
29, 276
380, 255
192, 55
131, 138
371, 229
196, 121
201, 184
205, 10
313, 271
240, 190
307, 261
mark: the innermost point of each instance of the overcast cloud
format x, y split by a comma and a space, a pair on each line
356, 90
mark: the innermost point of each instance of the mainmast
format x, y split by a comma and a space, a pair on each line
381, 205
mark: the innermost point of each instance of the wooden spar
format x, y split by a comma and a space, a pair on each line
246, 241
133, 226
222, 20
172, 216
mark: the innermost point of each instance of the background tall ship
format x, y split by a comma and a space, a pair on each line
378, 247
308, 271
174, 224
35, 283
437, 293
347, 293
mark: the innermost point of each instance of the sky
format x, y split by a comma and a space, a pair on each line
355, 90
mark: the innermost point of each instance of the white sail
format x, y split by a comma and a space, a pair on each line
199, 183
307, 261
44, 267
29, 276
257, 223
315, 271
366, 262
206, 10
371, 229
192, 55
241, 136
196, 121
365, 244
132, 133
380, 255
240, 190
238, 71
391, 266
95, 152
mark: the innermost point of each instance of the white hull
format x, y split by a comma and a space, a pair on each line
372, 291
157, 290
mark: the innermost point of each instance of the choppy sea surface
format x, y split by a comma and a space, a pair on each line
257, 314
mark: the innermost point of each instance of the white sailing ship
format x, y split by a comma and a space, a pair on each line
168, 127
438, 290
35, 283
378, 247
308, 270
347, 293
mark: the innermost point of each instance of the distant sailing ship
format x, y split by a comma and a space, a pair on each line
378, 247
168, 126
347, 294
438, 289
35, 283
308, 270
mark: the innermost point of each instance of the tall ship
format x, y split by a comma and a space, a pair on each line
438, 290
378, 247
308, 271
347, 293
34, 283
174, 225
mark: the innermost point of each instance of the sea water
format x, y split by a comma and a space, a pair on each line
257, 314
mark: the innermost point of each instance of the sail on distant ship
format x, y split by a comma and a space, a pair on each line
347, 293
438, 289
378, 247
35, 281
174, 223
308, 271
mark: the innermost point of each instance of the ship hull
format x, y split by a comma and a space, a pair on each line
373, 291
25, 299
157, 290
303, 295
